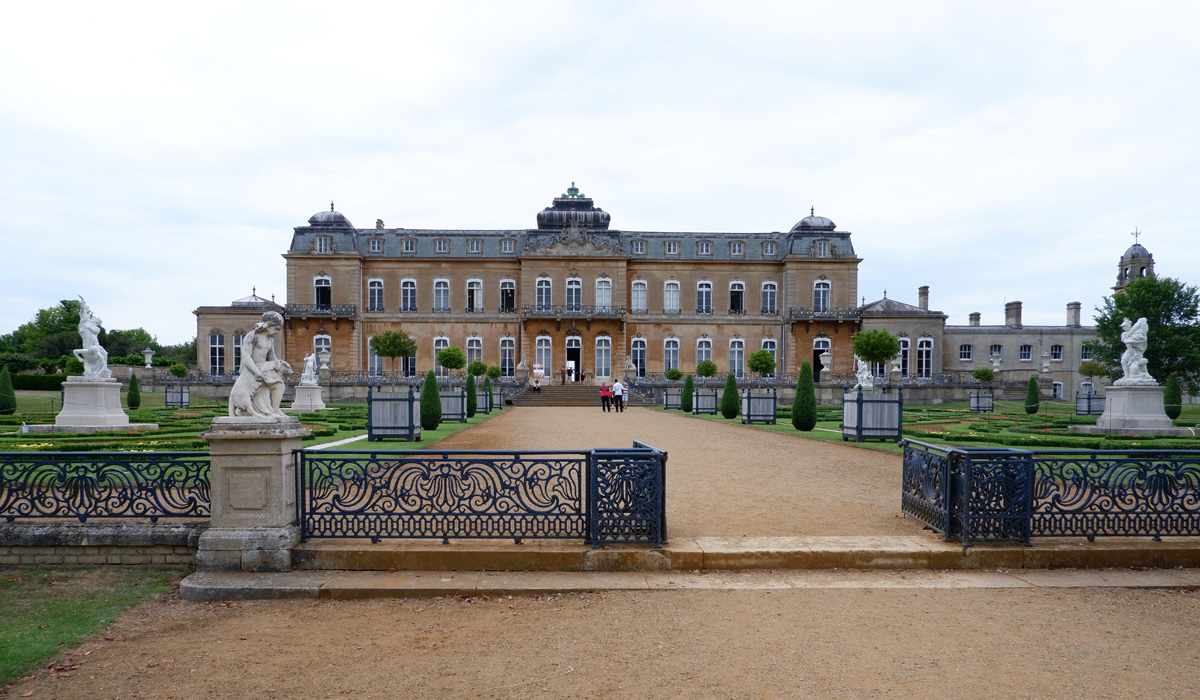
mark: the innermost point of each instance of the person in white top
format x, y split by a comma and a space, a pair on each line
618, 395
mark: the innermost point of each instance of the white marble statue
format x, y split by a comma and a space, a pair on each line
1133, 361
523, 364
866, 379
93, 357
259, 388
309, 376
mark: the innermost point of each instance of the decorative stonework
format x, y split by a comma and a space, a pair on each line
573, 239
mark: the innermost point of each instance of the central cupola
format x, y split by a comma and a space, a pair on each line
572, 208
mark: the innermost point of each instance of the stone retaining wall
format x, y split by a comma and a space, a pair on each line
71, 543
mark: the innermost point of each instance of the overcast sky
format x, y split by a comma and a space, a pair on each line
154, 157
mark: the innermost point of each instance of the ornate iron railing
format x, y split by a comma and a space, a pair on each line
571, 311
980, 494
808, 313
322, 310
600, 496
86, 485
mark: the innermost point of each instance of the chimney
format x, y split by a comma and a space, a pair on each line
923, 297
1012, 314
974, 318
1073, 315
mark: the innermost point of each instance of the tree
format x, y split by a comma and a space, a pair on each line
178, 371
394, 343
477, 368
133, 396
1172, 313
762, 361
8, 397
1033, 398
493, 372
451, 358
1091, 368
804, 405
731, 404
1173, 397
984, 374
685, 397
673, 374
706, 368
875, 346
431, 403
129, 342
472, 398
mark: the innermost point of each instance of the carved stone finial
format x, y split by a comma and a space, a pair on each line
331, 205
812, 211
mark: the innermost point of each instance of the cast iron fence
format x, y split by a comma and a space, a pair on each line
600, 496
393, 414
983, 494
758, 406
177, 396
1088, 404
86, 485
981, 402
874, 416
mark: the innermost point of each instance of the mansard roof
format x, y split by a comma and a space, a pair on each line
891, 307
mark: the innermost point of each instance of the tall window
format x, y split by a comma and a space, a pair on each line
768, 344
1086, 387
603, 293
996, 351
1056, 353
737, 356
822, 249
737, 298
965, 352
820, 347
1058, 390
440, 344
704, 298
1026, 353
821, 296
237, 352
542, 355
508, 353
925, 357
408, 365
671, 298
1085, 352
904, 347
474, 350
441, 296
543, 298
216, 354
408, 295
322, 344
638, 354
508, 296
670, 354
638, 301
769, 295
374, 361
603, 357
322, 244
475, 295
322, 291
574, 294
703, 350
375, 295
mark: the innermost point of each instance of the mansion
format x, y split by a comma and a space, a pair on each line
572, 292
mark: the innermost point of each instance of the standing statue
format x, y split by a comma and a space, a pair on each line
866, 380
1133, 360
259, 388
309, 376
93, 357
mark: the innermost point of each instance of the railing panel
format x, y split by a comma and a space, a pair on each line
87, 485
628, 495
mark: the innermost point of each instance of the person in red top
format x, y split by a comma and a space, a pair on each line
605, 397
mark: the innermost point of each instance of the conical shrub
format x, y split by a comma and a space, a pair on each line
1173, 397
8, 397
730, 404
1033, 398
133, 397
804, 405
431, 403
685, 397
472, 397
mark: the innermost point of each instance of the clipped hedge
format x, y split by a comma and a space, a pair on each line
38, 382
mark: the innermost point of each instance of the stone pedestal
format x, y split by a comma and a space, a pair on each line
308, 399
91, 402
1134, 408
253, 482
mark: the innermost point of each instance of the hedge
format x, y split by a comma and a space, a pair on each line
38, 382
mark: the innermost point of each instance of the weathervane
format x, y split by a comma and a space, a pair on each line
1135, 233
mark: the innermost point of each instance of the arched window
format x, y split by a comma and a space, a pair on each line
604, 293
638, 354
322, 291
543, 356
925, 357
638, 300
543, 298
508, 353
821, 290
408, 295
374, 361
703, 350
441, 296
769, 345
474, 296
574, 294
508, 296
440, 344
671, 298
603, 357
820, 347
375, 295
904, 346
474, 350
216, 353
704, 298
769, 295
670, 354
737, 298
237, 352
737, 356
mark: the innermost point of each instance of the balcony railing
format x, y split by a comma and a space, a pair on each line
325, 310
808, 313
572, 311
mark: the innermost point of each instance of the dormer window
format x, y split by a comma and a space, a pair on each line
409, 245
639, 247
508, 245
441, 245
703, 248
768, 249
822, 249
475, 246
322, 244
672, 248
375, 245
736, 248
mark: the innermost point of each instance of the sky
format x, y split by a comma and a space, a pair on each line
154, 157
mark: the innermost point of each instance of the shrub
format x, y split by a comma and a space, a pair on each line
133, 397
1173, 397
730, 403
875, 345
451, 358
38, 382
472, 397
984, 374
707, 368
477, 368
673, 374
1033, 398
493, 372
804, 406
8, 397
178, 370
761, 361
685, 398
73, 366
487, 391
431, 403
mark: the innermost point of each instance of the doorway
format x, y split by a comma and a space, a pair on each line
574, 356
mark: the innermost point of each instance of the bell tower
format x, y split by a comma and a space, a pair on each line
1137, 262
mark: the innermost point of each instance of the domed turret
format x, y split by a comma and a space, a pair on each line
812, 222
329, 219
1137, 262
572, 208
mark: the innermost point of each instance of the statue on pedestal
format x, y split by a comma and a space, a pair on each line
866, 379
93, 357
309, 376
259, 388
1133, 361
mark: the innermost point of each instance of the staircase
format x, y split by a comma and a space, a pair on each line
569, 395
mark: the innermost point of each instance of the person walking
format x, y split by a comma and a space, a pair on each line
618, 390
605, 397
